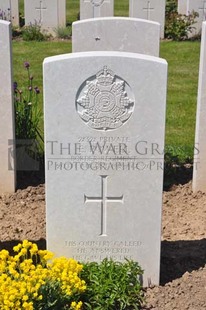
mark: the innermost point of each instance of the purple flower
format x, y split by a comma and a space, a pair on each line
26, 64
15, 86
36, 89
30, 88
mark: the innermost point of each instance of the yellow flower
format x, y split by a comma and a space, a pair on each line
21, 279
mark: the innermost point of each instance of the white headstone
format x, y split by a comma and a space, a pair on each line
96, 8
104, 132
186, 7
50, 14
151, 10
7, 142
182, 6
199, 169
103, 34
9, 10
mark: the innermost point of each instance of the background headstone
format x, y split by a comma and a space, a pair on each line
182, 6
151, 10
186, 7
7, 142
199, 169
104, 119
50, 14
10, 10
103, 34
96, 8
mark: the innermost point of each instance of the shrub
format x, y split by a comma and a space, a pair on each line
178, 26
33, 33
63, 32
5, 15
27, 112
112, 285
29, 140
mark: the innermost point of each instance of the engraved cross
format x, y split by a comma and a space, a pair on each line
203, 9
148, 9
104, 199
40, 9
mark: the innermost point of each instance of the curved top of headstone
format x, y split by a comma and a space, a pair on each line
97, 54
5, 22
115, 18
116, 34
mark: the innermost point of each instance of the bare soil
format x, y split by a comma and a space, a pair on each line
183, 255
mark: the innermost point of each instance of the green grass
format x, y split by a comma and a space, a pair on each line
34, 53
183, 61
183, 66
121, 8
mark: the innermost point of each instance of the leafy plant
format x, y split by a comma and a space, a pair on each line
16, 32
112, 285
178, 26
33, 33
34, 280
27, 112
177, 166
63, 32
29, 140
5, 15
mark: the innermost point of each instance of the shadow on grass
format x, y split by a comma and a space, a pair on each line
30, 178
177, 257
175, 175
178, 169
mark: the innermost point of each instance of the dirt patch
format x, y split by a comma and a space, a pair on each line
183, 256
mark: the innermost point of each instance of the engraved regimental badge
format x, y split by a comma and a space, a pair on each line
105, 101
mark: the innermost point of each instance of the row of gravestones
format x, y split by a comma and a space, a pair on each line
51, 14
104, 133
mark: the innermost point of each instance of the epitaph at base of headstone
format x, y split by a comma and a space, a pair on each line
7, 140
102, 34
104, 135
199, 167
49, 14
96, 8
151, 10
9, 11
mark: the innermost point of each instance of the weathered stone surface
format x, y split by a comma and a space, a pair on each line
7, 143
150, 10
49, 14
104, 135
9, 11
96, 8
102, 34
199, 170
